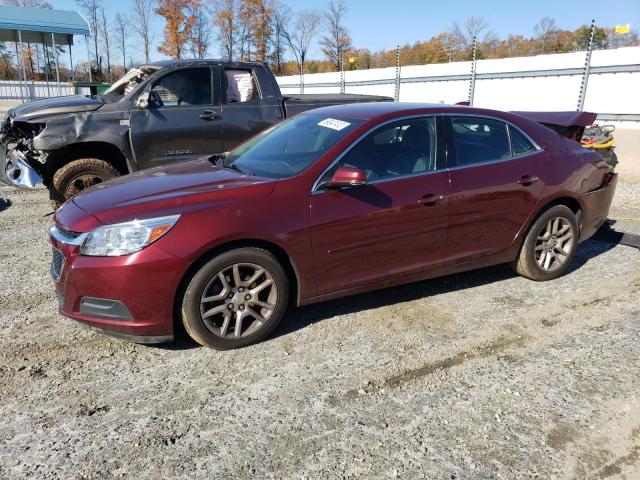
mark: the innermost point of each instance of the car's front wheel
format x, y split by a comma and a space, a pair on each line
550, 245
235, 299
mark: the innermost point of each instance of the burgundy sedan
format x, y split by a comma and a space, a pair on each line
332, 202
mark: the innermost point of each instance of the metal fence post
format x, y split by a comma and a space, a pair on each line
587, 67
472, 85
397, 91
24, 68
301, 77
342, 72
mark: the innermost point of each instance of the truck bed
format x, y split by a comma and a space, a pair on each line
294, 104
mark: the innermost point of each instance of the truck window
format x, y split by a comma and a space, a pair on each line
191, 86
240, 86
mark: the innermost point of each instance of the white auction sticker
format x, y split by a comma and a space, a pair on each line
334, 124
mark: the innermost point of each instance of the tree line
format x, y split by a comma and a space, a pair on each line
270, 31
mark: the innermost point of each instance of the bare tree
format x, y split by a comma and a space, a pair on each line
143, 10
544, 31
105, 33
337, 39
91, 9
300, 35
224, 20
200, 33
281, 16
472, 27
122, 31
245, 14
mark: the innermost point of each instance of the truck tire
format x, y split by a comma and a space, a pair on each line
77, 175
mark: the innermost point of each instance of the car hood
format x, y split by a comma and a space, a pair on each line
56, 106
174, 188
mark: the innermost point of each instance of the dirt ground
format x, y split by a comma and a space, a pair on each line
473, 376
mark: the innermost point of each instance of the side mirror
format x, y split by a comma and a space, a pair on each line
143, 100
346, 177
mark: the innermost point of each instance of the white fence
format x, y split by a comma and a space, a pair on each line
14, 90
543, 82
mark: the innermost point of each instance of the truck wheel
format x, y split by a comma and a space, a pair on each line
235, 299
76, 176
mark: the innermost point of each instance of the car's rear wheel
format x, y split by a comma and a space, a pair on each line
550, 245
235, 299
78, 175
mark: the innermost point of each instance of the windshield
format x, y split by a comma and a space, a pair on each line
128, 82
289, 147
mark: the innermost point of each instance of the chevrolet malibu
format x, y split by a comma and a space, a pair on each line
329, 203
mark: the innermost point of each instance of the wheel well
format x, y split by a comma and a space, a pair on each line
101, 150
277, 251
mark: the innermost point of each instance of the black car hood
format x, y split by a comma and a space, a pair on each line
56, 106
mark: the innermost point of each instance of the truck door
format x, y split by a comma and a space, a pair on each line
247, 106
182, 120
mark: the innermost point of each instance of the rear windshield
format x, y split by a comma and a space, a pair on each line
291, 146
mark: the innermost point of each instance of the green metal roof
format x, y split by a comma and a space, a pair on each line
35, 23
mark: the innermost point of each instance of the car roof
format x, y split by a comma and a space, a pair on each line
371, 110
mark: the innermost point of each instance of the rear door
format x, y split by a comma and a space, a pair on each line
496, 179
185, 120
393, 225
248, 107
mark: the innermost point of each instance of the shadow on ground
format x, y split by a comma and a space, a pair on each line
4, 204
299, 318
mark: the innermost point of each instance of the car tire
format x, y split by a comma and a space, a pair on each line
550, 245
220, 312
77, 175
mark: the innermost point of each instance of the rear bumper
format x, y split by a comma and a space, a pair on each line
596, 207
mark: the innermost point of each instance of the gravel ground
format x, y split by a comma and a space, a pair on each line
472, 376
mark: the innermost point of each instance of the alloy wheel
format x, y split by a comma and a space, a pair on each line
554, 244
239, 300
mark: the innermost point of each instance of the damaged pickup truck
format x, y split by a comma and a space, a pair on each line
157, 113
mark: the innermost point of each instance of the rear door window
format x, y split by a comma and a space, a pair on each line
240, 86
520, 145
479, 140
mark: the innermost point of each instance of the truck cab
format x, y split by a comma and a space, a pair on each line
157, 113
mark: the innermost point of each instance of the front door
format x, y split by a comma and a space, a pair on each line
496, 179
393, 225
183, 118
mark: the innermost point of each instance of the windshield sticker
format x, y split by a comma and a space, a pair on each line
334, 124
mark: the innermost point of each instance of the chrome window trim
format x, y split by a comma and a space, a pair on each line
538, 148
59, 236
490, 162
314, 188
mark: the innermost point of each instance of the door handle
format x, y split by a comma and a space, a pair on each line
431, 199
527, 180
209, 115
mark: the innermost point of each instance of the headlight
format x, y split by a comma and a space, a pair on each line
126, 238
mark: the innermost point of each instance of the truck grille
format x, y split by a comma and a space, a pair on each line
57, 264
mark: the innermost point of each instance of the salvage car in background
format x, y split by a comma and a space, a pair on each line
157, 113
332, 202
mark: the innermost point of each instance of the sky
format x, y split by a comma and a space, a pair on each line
378, 24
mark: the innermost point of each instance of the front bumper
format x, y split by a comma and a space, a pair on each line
130, 297
15, 170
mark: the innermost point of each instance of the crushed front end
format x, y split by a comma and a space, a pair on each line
20, 164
